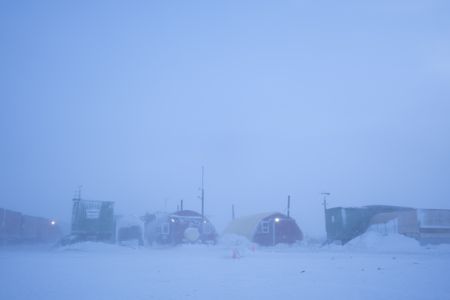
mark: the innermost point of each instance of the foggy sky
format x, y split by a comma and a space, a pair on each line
130, 99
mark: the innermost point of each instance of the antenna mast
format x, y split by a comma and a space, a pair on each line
203, 193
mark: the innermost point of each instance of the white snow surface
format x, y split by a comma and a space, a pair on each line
369, 267
375, 241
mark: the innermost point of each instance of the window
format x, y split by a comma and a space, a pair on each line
265, 227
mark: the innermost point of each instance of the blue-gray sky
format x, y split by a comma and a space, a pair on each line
131, 98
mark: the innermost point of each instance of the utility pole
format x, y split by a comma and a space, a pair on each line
233, 216
289, 206
203, 194
77, 194
324, 203
181, 204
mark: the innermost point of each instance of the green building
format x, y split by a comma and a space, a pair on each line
345, 223
93, 220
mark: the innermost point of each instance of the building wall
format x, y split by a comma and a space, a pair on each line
269, 232
18, 228
345, 223
406, 223
425, 225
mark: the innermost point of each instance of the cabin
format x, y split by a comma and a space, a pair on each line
428, 226
266, 229
183, 226
345, 223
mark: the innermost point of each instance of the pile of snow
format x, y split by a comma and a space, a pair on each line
376, 241
93, 247
236, 246
234, 240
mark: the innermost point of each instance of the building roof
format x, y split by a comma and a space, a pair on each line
187, 213
246, 226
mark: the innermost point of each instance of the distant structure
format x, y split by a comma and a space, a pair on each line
345, 223
183, 226
129, 230
16, 227
266, 229
426, 225
91, 221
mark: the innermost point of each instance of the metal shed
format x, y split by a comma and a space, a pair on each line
345, 223
428, 226
266, 229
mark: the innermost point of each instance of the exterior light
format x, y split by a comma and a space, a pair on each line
172, 220
52, 222
277, 220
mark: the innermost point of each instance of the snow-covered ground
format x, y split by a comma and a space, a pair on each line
369, 267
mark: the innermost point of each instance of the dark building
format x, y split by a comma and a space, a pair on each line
184, 226
10, 226
129, 230
16, 227
266, 229
92, 220
345, 223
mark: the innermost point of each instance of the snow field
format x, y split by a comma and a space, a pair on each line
102, 271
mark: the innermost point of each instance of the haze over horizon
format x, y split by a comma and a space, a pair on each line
295, 98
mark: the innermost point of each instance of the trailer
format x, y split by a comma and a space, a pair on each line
345, 223
10, 226
16, 227
428, 226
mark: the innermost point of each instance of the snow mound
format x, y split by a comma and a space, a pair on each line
93, 247
234, 240
236, 246
375, 241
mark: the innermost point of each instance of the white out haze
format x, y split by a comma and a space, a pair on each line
274, 99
